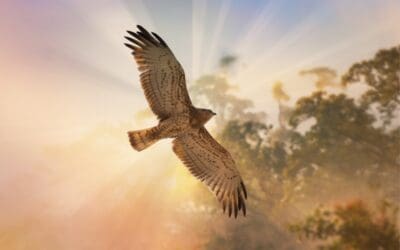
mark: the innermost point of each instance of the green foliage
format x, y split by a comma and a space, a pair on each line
326, 77
264, 234
278, 93
326, 146
245, 138
227, 61
215, 91
352, 226
382, 75
250, 142
342, 137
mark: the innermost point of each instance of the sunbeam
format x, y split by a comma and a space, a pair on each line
198, 16
340, 45
216, 35
70, 91
259, 24
268, 57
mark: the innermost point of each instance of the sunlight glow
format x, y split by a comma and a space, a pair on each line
70, 92
211, 44
198, 15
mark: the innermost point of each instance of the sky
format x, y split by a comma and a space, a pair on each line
64, 67
66, 80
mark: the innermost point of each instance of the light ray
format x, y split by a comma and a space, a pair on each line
291, 37
109, 23
106, 18
139, 12
329, 51
259, 24
198, 15
222, 14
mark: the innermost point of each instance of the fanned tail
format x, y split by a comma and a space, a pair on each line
142, 139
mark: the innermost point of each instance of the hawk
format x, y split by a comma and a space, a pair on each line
164, 85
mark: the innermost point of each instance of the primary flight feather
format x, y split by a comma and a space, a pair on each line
163, 81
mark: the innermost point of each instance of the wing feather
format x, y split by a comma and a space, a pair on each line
162, 77
207, 160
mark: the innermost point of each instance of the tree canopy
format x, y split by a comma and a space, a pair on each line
325, 144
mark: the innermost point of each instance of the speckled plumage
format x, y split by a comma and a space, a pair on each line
164, 85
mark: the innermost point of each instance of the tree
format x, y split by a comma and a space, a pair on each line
382, 75
215, 91
326, 77
342, 136
352, 226
327, 145
281, 97
227, 61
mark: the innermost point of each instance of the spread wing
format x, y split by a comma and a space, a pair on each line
162, 77
213, 165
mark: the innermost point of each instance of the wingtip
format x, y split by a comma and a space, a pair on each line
159, 39
130, 32
244, 189
129, 46
143, 30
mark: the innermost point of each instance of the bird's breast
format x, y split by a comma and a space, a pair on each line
175, 125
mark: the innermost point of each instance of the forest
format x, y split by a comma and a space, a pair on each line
307, 102
325, 176
329, 173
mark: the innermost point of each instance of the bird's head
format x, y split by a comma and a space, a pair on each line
206, 114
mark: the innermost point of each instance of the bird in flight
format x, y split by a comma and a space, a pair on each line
164, 85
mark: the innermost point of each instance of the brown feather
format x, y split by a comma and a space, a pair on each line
163, 82
198, 150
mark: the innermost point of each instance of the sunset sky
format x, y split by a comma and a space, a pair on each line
67, 84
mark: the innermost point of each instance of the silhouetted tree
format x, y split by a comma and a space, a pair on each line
352, 226
343, 135
326, 77
216, 92
382, 75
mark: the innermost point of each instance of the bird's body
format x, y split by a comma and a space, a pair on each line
171, 127
164, 85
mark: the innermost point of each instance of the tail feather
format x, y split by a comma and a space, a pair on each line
142, 139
